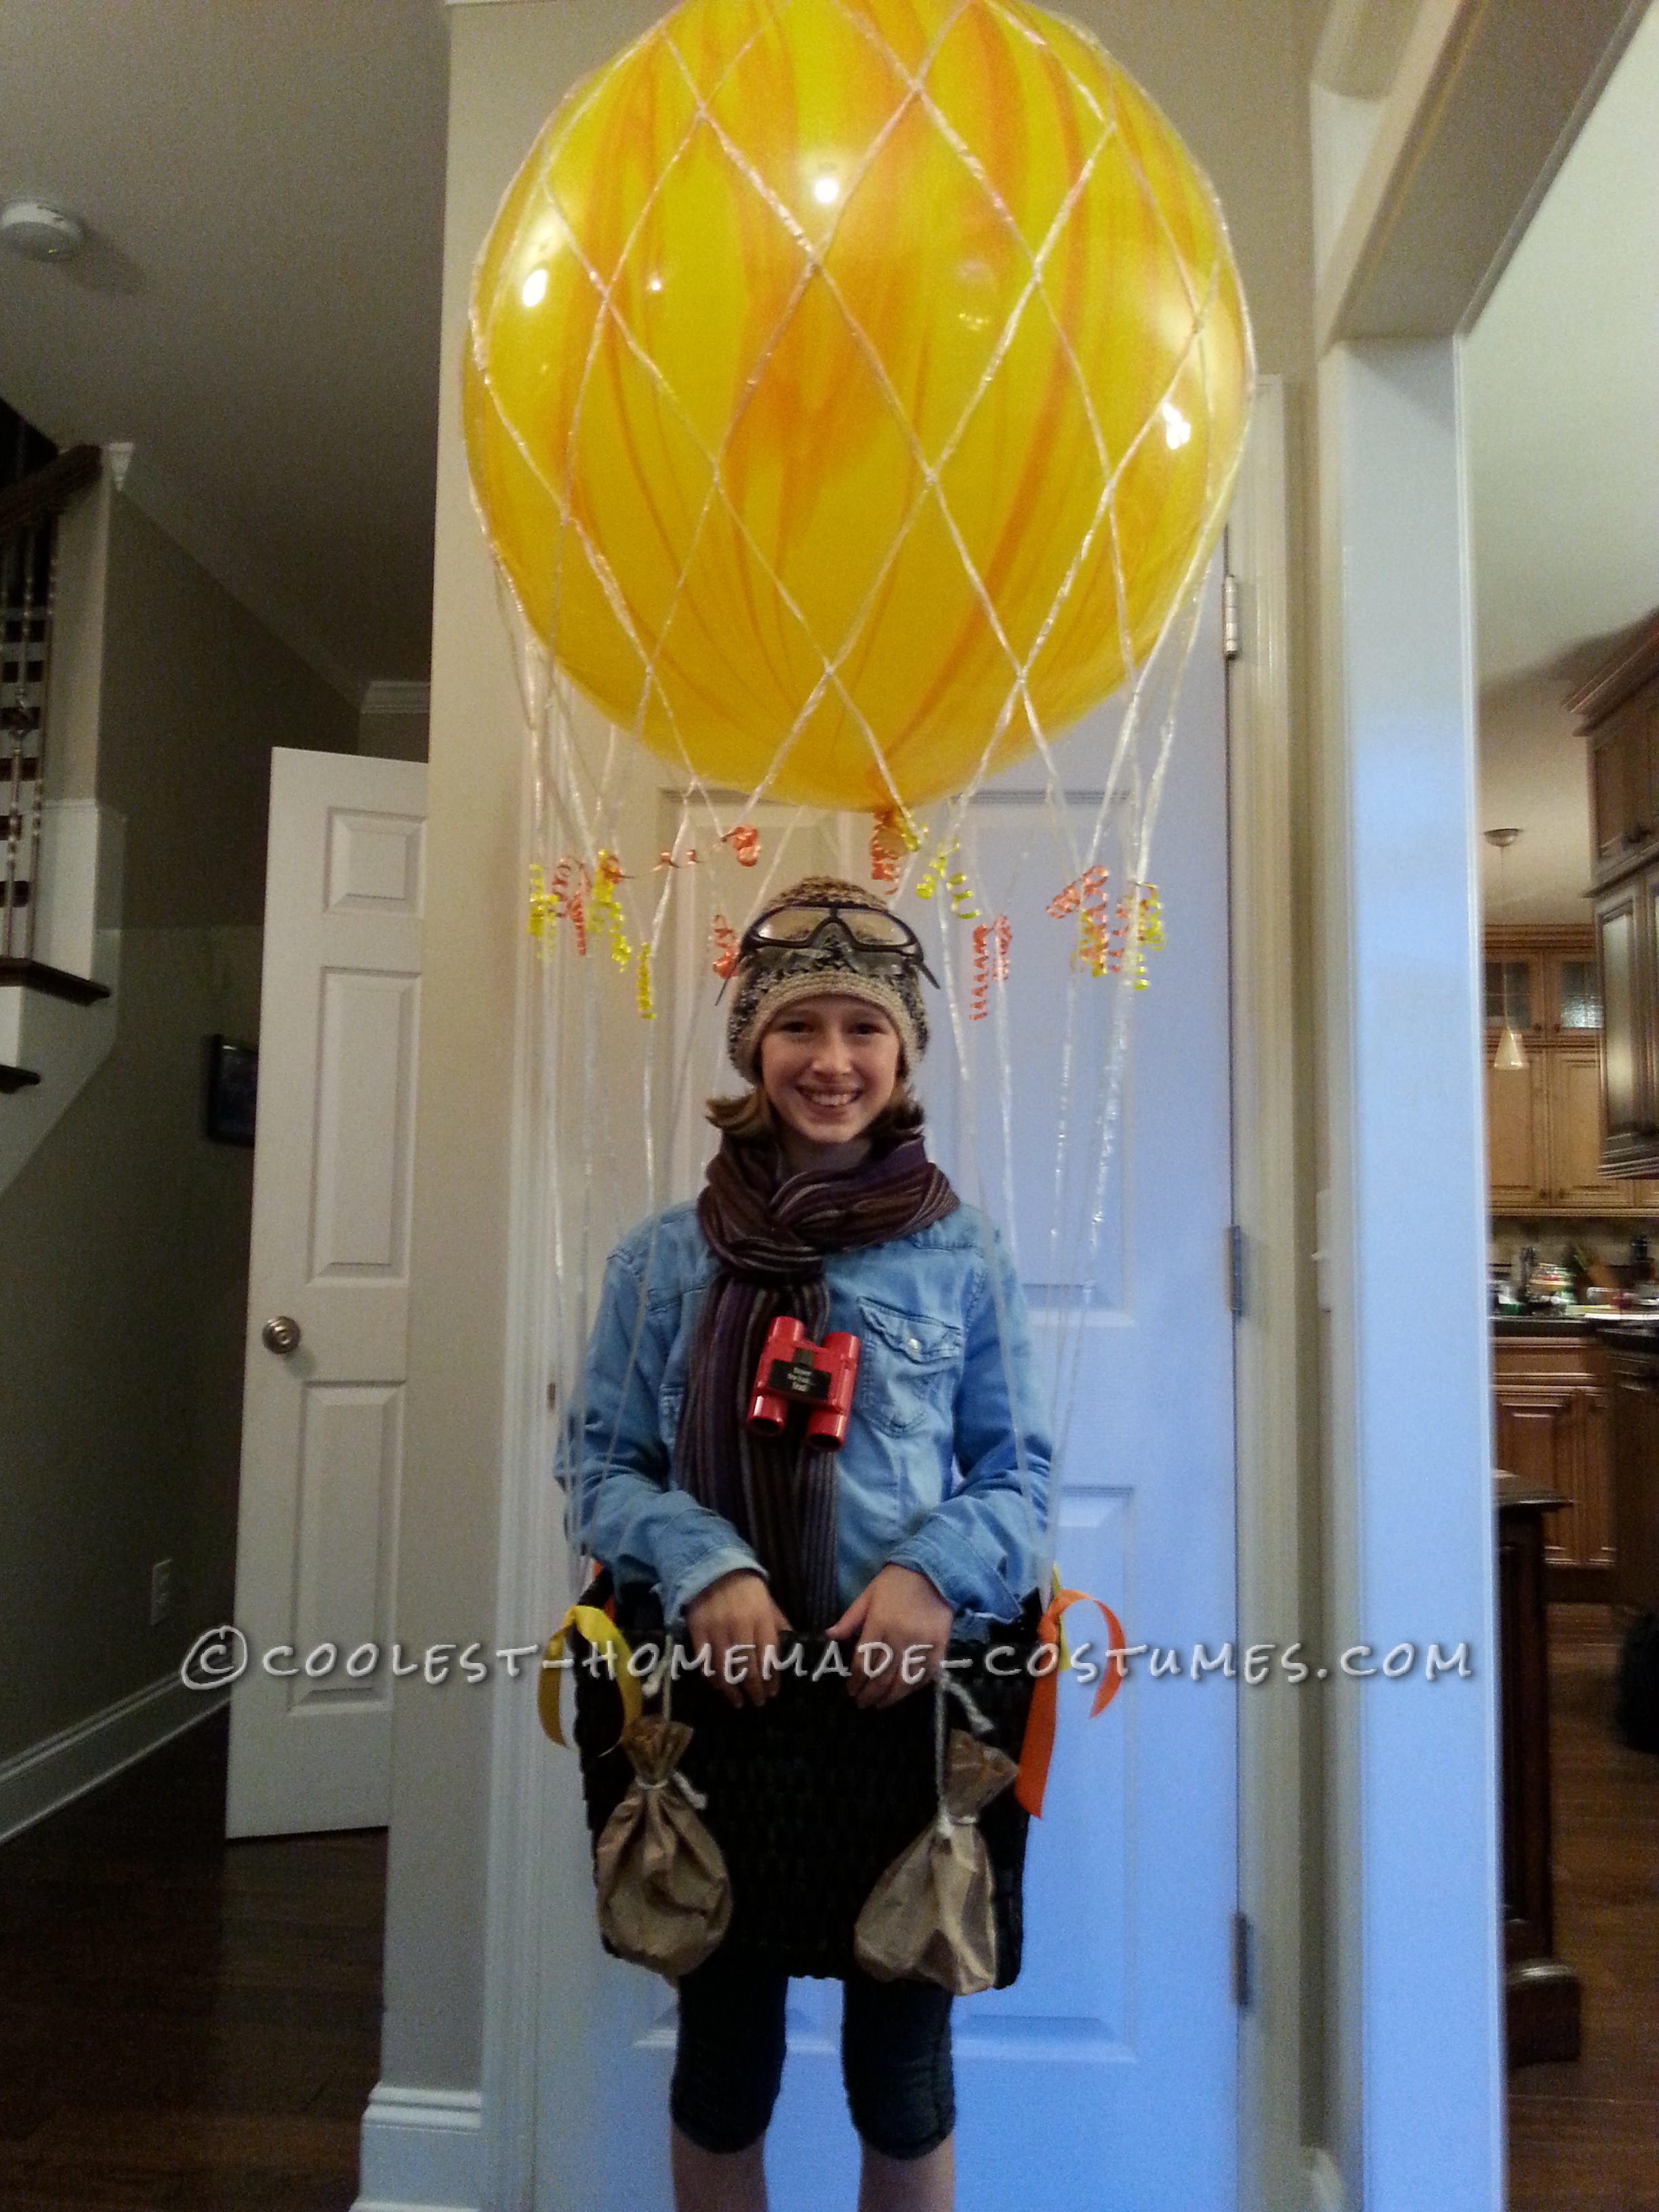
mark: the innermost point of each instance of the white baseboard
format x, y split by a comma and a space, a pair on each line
422, 2150
36, 1782
1321, 2183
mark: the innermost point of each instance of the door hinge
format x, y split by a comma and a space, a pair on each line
1235, 1266
1243, 1961
1232, 628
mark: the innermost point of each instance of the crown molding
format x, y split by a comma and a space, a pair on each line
1634, 664
1360, 45
1485, 104
218, 550
391, 695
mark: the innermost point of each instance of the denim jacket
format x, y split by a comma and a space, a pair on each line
946, 1465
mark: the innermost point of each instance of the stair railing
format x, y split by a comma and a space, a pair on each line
28, 562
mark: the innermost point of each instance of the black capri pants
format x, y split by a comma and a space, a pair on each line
729, 2063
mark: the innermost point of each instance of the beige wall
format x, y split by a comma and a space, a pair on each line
509, 66
196, 694
1233, 82
124, 1242
1535, 772
1239, 95
392, 737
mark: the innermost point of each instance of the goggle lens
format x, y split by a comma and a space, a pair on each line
867, 926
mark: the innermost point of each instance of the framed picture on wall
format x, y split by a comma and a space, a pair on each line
233, 1091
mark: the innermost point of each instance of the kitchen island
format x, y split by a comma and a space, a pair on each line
1552, 1429
1576, 1413
1631, 1351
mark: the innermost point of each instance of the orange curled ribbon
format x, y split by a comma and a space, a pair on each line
1097, 948
893, 836
744, 841
551, 903
1089, 885
1038, 1747
726, 947
991, 943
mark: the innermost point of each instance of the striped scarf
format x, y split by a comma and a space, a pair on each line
770, 1232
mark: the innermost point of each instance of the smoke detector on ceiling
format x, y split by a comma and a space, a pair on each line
40, 232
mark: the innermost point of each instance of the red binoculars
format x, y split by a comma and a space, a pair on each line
795, 1372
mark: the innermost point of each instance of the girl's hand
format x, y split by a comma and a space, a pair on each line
901, 1610
736, 1619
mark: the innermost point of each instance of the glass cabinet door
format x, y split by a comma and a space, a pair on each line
1511, 994
1579, 1000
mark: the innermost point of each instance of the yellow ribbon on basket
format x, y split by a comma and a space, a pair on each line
603, 1633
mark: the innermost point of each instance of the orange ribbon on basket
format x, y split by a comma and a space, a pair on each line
1037, 1747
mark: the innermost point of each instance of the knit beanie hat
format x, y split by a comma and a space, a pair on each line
831, 961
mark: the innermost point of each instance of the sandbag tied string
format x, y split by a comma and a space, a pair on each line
1037, 1747
603, 1633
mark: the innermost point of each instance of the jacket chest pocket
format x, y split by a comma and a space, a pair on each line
671, 1391
909, 1365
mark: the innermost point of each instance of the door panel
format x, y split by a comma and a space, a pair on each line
1516, 1126
1575, 1137
1105, 2080
322, 1427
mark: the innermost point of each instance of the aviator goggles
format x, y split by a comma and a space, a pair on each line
878, 941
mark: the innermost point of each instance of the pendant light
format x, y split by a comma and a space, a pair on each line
1510, 1056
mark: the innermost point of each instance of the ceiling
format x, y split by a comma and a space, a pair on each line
257, 311
1561, 393
1561, 381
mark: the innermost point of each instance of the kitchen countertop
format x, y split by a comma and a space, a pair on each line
1541, 1324
1614, 1327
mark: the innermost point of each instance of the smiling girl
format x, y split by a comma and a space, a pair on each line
821, 1203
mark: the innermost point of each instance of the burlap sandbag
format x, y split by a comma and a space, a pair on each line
930, 1917
665, 1900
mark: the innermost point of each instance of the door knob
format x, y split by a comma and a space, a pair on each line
281, 1334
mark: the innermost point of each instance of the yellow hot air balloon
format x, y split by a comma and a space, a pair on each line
851, 385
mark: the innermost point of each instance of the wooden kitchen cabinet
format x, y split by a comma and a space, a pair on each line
1541, 1995
1573, 1176
1617, 710
1634, 1374
1625, 805
1554, 1426
1546, 1135
1627, 1101
1515, 987
1544, 1139
1517, 1135
1542, 979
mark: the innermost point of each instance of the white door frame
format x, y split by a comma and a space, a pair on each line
521, 1830
1266, 1179
1428, 183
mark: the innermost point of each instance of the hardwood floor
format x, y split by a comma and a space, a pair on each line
192, 2026
185, 2025
1586, 2136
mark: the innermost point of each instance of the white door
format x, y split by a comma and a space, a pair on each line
1105, 2080
328, 1294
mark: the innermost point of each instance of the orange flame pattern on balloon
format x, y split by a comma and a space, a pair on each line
852, 385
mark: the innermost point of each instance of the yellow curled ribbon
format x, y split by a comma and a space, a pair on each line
603, 1633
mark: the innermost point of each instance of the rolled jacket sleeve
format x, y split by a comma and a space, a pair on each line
629, 1515
982, 1547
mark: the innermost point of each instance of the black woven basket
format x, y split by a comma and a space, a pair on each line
809, 1798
